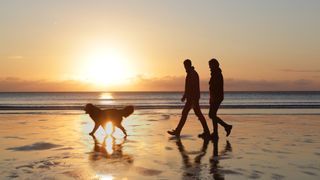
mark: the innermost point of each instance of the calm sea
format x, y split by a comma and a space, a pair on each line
234, 103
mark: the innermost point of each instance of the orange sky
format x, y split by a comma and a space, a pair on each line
57, 46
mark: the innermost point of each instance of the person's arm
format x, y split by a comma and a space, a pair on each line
183, 98
211, 91
185, 90
195, 85
216, 90
221, 83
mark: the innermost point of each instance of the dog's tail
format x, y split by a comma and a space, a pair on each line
127, 111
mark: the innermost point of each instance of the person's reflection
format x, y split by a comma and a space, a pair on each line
193, 169
215, 168
110, 148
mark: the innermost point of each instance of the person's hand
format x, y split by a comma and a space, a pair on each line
183, 99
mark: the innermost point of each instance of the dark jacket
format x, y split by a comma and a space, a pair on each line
216, 86
192, 88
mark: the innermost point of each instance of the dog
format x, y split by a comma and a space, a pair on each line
101, 117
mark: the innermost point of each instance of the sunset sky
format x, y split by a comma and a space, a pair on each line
140, 45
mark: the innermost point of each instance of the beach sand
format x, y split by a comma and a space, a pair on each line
57, 146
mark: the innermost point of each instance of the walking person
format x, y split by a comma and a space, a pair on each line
192, 95
216, 97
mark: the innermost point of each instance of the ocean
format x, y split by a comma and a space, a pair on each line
234, 103
46, 136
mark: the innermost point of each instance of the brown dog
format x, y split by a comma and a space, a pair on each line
101, 117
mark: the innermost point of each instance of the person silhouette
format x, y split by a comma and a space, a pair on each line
216, 97
192, 95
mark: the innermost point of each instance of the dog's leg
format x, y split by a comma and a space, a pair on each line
96, 126
123, 130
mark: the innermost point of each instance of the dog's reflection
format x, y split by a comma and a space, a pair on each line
193, 170
109, 148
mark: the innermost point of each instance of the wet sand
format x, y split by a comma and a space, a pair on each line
59, 147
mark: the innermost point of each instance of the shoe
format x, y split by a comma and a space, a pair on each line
214, 159
173, 133
228, 130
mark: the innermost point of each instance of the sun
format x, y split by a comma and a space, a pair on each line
106, 66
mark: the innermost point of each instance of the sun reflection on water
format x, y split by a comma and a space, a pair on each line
106, 98
105, 177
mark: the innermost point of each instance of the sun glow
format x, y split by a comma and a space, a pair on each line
106, 66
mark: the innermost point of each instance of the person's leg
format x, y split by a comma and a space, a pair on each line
213, 115
197, 111
183, 119
221, 122
217, 120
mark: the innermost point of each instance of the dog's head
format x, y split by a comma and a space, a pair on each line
127, 111
89, 108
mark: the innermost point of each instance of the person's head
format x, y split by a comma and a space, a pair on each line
187, 64
214, 64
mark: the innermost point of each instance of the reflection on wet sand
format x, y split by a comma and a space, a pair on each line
110, 148
192, 170
109, 152
215, 168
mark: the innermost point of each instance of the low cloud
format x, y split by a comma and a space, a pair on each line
301, 70
174, 83
15, 57
14, 84
167, 83
265, 85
